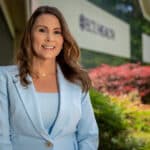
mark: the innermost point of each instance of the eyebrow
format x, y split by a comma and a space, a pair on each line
57, 28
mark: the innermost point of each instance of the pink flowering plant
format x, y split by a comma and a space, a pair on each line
121, 80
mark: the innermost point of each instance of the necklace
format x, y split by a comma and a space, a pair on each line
42, 74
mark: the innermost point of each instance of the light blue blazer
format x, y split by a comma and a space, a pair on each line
21, 126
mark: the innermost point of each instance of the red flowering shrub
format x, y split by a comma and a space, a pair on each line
121, 79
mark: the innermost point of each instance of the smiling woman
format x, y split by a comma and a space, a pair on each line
46, 37
44, 98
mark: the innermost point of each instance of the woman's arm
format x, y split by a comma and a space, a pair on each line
5, 143
87, 130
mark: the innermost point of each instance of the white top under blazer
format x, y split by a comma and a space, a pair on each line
48, 105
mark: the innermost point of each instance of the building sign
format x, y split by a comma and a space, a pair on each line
93, 28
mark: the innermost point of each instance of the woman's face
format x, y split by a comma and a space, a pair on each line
47, 39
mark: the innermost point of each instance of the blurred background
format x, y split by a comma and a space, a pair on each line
114, 38
107, 31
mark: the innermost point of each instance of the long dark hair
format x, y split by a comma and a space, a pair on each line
68, 59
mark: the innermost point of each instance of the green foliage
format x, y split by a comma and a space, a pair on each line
92, 59
139, 120
121, 127
107, 112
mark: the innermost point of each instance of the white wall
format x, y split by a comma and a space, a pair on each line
146, 48
100, 31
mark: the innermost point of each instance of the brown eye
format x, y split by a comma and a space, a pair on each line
42, 30
57, 32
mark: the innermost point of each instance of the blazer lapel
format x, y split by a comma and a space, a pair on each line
63, 97
29, 101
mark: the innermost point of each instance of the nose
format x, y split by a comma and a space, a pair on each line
49, 37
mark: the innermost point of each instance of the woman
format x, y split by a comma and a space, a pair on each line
44, 100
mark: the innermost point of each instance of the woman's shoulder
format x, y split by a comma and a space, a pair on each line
9, 68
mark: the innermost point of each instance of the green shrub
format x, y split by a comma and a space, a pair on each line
121, 127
